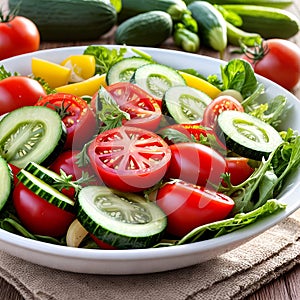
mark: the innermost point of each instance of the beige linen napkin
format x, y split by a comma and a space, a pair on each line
233, 275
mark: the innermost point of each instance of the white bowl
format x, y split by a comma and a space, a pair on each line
159, 259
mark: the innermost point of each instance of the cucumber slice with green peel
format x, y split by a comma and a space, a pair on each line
42, 173
31, 133
45, 191
156, 79
247, 135
6, 179
124, 69
123, 220
185, 104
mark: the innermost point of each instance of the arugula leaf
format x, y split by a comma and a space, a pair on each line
222, 227
237, 222
105, 57
267, 180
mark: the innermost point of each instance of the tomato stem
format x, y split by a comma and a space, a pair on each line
256, 53
6, 17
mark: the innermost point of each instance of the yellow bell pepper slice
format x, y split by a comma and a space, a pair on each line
87, 87
83, 66
54, 74
200, 84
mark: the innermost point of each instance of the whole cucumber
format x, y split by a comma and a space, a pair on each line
145, 29
68, 20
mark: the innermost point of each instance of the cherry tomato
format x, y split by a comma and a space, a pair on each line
129, 159
194, 132
18, 35
77, 116
188, 206
38, 215
277, 60
197, 164
144, 110
67, 161
19, 91
218, 105
239, 169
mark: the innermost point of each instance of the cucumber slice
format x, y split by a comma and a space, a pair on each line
185, 104
31, 133
247, 135
6, 179
156, 79
42, 173
45, 191
123, 220
124, 69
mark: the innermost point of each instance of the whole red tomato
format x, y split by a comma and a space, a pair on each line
79, 119
277, 60
38, 215
188, 206
18, 35
19, 91
197, 164
239, 169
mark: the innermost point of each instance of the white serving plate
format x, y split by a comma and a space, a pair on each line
141, 261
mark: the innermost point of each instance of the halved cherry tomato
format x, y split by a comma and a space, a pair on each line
38, 215
77, 116
19, 91
239, 169
188, 206
197, 164
129, 159
218, 105
143, 108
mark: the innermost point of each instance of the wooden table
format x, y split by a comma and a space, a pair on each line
287, 286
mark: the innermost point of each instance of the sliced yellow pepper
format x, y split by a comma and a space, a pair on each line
83, 66
87, 87
200, 84
54, 74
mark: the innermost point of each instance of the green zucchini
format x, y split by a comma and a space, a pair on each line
146, 29
68, 20
156, 79
211, 25
6, 179
247, 135
266, 21
124, 69
271, 3
185, 104
131, 8
31, 133
45, 191
123, 220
